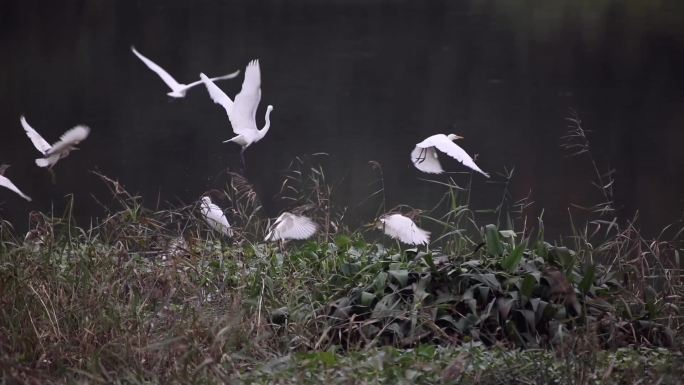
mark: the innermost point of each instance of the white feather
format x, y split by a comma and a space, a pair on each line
291, 226
427, 160
178, 90
4, 182
215, 217
242, 111
404, 229
60, 149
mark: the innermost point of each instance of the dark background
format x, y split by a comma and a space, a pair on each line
361, 80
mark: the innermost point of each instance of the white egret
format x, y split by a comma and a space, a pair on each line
242, 111
404, 229
4, 182
53, 153
291, 226
215, 217
424, 155
178, 90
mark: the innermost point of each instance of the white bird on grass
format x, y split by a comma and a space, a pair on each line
424, 155
242, 111
4, 182
53, 153
400, 227
215, 217
291, 226
178, 90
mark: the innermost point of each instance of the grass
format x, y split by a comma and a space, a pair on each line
153, 296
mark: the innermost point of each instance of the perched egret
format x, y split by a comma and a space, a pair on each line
242, 111
291, 226
178, 90
424, 156
53, 153
402, 228
215, 217
4, 182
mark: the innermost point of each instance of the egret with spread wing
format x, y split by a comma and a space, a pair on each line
424, 155
242, 111
4, 182
400, 227
178, 90
291, 226
53, 153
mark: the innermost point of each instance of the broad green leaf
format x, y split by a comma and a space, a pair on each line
511, 261
587, 279
494, 244
367, 298
400, 276
527, 286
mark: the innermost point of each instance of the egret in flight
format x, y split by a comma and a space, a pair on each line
424, 155
178, 90
242, 111
400, 227
53, 153
215, 217
291, 226
4, 182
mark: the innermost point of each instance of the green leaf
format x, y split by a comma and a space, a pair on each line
494, 244
380, 283
588, 279
511, 261
427, 257
401, 276
367, 298
527, 286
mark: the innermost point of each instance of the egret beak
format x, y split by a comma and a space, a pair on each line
458, 136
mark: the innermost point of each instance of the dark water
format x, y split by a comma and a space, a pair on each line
361, 80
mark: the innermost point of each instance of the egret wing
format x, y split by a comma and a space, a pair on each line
242, 117
298, 227
41, 144
216, 218
217, 95
224, 77
405, 230
4, 182
165, 76
444, 144
69, 139
425, 159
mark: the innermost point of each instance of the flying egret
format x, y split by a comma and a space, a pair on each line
53, 153
424, 155
400, 227
291, 226
178, 90
242, 111
4, 182
215, 217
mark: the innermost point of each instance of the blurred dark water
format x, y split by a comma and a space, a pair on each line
360, 80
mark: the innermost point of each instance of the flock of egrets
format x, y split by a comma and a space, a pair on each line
241, 113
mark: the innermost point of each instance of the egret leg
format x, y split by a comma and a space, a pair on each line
53, 176
244, 163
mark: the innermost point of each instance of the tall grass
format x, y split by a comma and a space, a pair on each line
154, 296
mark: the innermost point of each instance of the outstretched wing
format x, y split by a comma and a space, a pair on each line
4, 182
41, 144
217, 95
290, 226
224, 77
402, 228
69, 139
444, 144
425, 159
165, 76
242, 117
